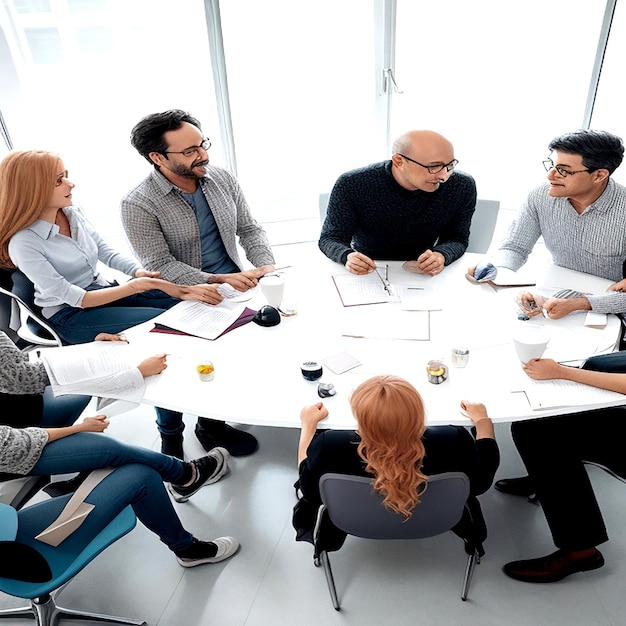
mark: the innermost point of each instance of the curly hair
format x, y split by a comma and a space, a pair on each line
147, 134
391, 422
27, 180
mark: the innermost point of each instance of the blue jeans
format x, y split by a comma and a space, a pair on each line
61, 411
138, 481
169, 422
75, 325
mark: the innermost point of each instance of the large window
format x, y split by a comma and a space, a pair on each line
500, 79
302, 92
81, 73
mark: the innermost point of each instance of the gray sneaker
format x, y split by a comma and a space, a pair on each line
209, 469
198, 552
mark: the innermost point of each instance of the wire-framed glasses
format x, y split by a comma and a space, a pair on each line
433, 169
192, 150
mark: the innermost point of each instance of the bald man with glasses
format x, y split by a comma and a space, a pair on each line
414, 207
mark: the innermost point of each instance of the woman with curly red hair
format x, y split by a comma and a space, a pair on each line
393, 445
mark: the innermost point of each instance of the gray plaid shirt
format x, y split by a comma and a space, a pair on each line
162, 228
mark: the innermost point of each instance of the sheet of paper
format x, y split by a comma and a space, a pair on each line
341, 362
86, 361
509, 278
199, 319
418, 299
549, 394
410, 325
368, 289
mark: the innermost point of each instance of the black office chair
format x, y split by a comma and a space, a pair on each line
25, 319
351, 504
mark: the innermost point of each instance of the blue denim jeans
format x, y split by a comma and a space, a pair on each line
75, 325
169, 422
62, 410
138, 481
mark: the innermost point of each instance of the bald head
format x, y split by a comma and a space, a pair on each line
426, 141
420, 160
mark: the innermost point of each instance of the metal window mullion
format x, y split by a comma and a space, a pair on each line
220, 82
605, 30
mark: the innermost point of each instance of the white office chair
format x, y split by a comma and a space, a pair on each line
483, 225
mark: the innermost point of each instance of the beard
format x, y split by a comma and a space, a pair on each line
187, 172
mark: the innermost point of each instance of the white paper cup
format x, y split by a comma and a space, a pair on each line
273, 288
531, 344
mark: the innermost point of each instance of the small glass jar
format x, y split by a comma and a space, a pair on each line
311, 370
437, 372
459, 356
205, 370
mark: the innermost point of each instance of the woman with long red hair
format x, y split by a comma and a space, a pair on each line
393, 445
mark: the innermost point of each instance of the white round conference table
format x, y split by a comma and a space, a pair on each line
257, 369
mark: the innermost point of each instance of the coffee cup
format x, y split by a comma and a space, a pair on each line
531, 344
272, 288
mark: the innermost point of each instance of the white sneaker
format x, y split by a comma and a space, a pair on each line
196, 553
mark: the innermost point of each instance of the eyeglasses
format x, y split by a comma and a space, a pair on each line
549, 165
433, 169
192, 150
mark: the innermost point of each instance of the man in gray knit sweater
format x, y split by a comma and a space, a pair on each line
412, 208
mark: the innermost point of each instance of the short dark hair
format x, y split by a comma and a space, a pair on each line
147, 135
600, 150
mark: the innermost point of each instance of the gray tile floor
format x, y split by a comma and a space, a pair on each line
272, 580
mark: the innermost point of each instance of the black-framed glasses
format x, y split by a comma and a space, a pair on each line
192, 150
549, 165
433, 169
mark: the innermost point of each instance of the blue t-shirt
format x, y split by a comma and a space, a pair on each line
215, 259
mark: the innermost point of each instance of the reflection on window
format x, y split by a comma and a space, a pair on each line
85, 5
31, 6
95, 40
44, 45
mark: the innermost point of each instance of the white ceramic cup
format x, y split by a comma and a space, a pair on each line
273, 288
531, 344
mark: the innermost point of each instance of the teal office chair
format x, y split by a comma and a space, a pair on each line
34, 570
354, 507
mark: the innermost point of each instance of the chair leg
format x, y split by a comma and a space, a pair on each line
472, 561
47, 613
330, 579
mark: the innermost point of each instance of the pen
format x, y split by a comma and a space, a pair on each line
275, 272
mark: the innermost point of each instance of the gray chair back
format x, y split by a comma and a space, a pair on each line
483, 225
354, 507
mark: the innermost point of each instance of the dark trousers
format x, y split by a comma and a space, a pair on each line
553, 450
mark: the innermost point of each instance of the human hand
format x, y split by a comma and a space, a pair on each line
313, 414
241, 281
430, 262
531, 305
146, 273
555, 308
153, 365
542, 369
358, 263
111, 337
97, 424
208, 294
476, 411
619, 287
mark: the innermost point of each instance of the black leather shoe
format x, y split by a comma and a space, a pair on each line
551, 568
522, 486
212, 433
